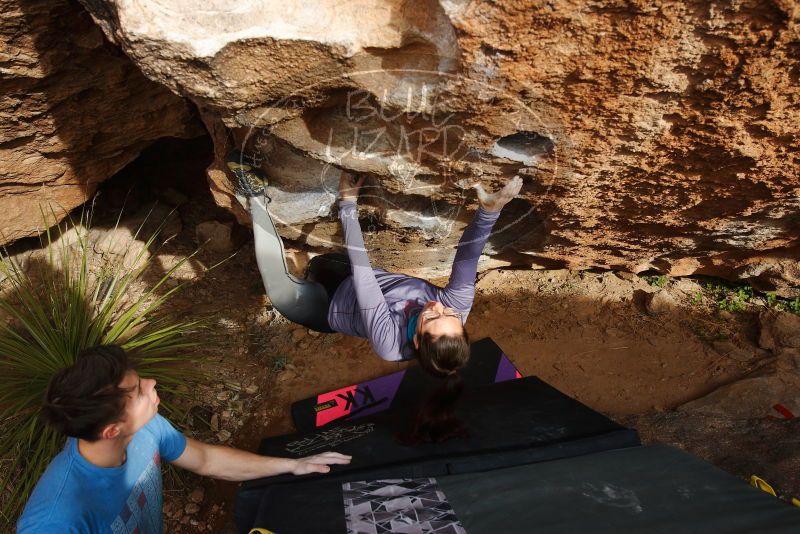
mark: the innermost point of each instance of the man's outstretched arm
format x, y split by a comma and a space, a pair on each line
226, 463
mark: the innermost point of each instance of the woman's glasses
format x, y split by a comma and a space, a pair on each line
431, 315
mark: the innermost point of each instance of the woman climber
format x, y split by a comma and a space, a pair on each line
403, 317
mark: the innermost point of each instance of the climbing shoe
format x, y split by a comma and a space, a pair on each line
250, 180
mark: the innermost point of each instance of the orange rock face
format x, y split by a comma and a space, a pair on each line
73, 111
651, 135
683, 119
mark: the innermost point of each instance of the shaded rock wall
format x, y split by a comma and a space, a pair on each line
73, 111
651, 135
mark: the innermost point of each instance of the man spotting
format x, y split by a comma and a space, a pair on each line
108, 477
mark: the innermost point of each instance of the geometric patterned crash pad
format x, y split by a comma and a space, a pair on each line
412, 506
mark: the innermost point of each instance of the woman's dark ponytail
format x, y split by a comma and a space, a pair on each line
435, 421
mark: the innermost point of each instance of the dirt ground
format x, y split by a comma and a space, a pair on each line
585, 334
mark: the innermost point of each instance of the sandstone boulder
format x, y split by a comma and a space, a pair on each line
650, 136
751, 398
73, 111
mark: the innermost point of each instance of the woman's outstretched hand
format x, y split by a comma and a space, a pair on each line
348, 189
495, 201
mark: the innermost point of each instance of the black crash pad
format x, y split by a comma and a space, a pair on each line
641, 489
487, 365
511, 423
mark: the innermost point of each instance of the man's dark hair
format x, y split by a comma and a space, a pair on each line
85, 397
435, 420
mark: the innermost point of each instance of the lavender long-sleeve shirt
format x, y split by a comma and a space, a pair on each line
377, 305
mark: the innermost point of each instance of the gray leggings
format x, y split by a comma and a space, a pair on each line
303, 301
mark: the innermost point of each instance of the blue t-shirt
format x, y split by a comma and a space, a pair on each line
75, 496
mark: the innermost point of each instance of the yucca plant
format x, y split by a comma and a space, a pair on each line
73, 299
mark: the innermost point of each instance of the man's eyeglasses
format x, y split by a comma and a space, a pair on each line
431, 315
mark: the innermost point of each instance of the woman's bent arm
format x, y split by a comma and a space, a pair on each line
383, 332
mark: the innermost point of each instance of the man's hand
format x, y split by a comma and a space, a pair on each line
496, 201
348, 189
319, 463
